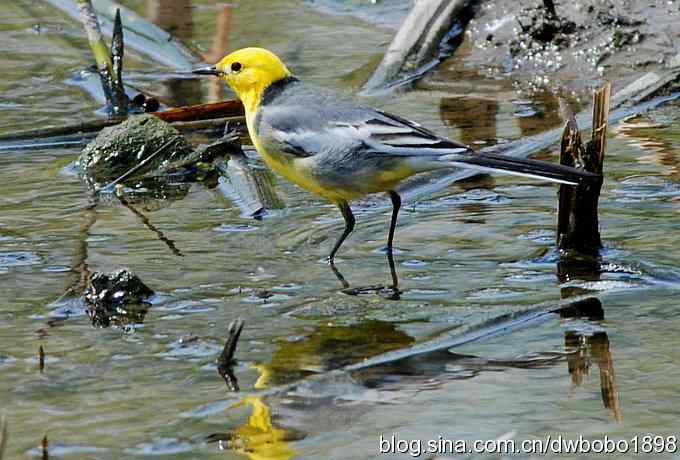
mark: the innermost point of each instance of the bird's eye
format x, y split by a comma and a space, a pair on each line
236, 66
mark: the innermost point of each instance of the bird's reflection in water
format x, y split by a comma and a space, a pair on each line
390, 292
258, 438
329, 347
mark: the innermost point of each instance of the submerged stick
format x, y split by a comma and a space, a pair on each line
577, 220
190, 117
41, 359
234, 330
226, 360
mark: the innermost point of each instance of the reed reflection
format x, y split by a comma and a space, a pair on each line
588, 349
594, 349
660, 152
176, 17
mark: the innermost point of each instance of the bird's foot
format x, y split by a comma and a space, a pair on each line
391, 250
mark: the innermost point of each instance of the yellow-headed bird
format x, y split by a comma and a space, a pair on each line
329, 144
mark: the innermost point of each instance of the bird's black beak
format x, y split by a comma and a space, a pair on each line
206, 70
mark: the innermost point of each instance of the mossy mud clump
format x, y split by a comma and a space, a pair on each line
115, 289
118, 149
117, 299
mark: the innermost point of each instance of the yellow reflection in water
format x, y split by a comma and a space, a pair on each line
259, 439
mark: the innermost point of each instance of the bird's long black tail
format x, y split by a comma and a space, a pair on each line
523, 167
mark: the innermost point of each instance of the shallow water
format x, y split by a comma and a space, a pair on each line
467, 254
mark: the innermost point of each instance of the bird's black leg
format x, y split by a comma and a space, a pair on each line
396, 205
393, 272
349, 226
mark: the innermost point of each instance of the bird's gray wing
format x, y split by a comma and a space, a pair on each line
304, 131
346, 133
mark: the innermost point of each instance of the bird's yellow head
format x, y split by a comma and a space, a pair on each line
248, 71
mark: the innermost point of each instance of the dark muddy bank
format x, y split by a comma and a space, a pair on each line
574, 48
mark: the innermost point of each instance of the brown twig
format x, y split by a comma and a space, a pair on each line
230, 108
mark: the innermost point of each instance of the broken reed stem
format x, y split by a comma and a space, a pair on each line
119, 99
598, 143
109, 64
94, 36
577, 220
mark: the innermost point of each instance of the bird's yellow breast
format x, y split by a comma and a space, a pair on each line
297, 170
301, 171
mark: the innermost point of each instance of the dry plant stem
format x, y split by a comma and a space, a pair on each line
88, 16
229, 108
577, 219
94, 36
119, 99
41, 133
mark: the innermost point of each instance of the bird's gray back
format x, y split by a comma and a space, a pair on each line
307, 120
